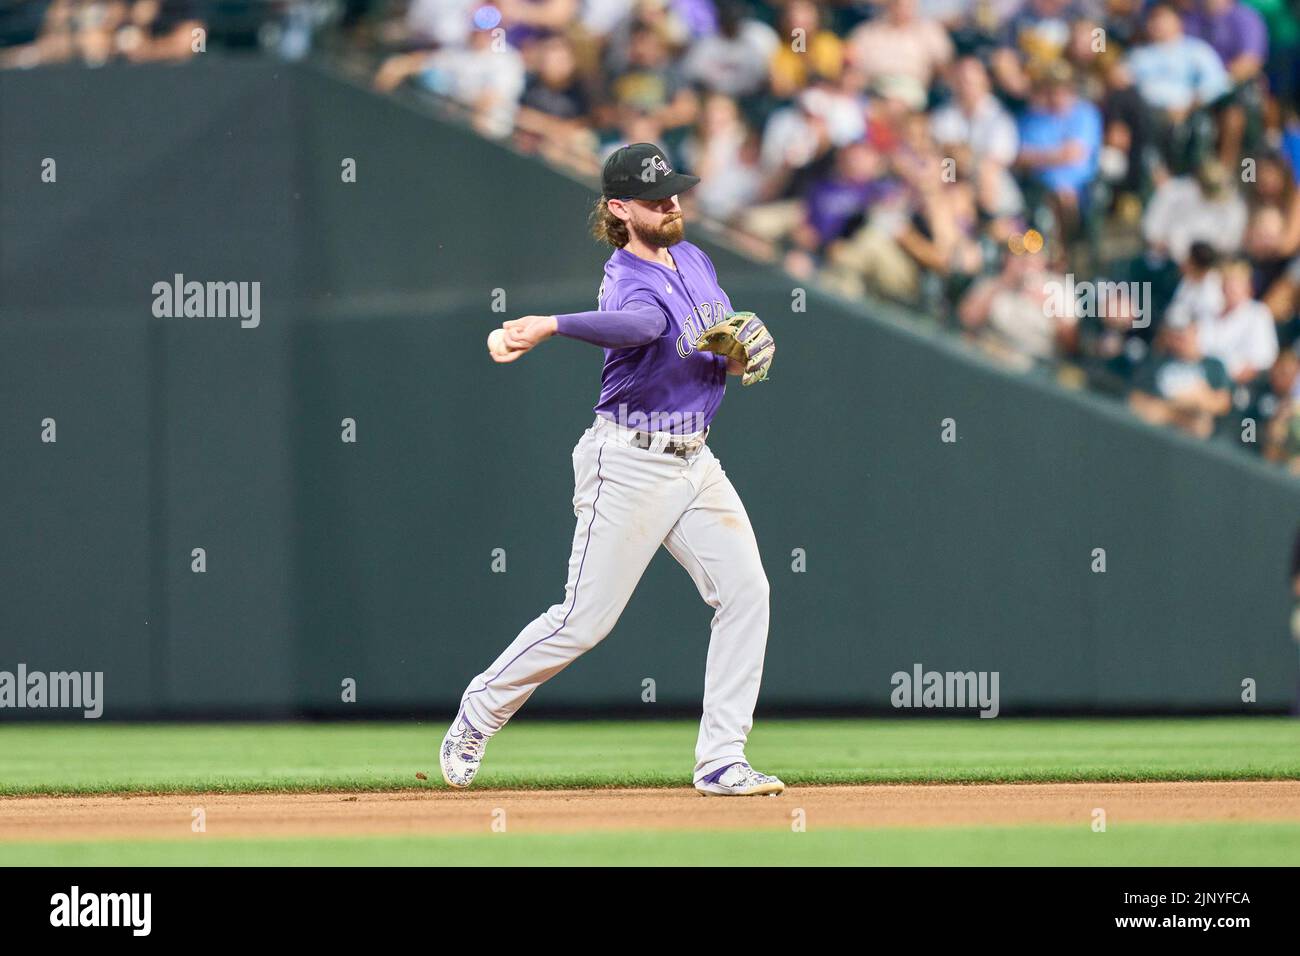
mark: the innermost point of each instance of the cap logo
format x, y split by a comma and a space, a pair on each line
651, 166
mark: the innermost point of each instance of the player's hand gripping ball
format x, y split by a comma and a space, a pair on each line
497, 342
743, 338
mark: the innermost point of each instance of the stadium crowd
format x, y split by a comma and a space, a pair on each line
1105, 191
95, 32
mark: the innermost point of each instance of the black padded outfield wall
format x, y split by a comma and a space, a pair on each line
372, 560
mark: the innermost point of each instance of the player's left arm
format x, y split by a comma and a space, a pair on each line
745, 341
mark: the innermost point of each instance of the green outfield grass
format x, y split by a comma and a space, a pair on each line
89, 757
1222, 844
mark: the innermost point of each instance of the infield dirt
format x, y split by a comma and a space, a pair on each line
438, 811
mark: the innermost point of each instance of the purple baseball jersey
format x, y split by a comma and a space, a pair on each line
665, 385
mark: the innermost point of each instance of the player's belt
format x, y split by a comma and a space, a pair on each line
678, 447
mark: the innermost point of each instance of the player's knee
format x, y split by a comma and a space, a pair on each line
602, 624
752, 591
587, 628
555, 616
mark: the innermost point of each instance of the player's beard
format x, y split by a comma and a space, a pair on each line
667, 233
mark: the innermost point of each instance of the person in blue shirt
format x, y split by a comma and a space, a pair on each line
1180, 77
1060, 138
1174, 72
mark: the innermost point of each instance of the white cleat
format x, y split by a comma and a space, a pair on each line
739, 780
461, 753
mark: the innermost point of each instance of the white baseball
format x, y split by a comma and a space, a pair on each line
497, 342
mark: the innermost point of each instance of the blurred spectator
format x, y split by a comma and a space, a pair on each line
94, 32
1241, 335
657, 15
1199, 296
487, 78
1282, 299
1273, 183
819, 53
1107, 344
1235, 31
1180, 386
1283, 28
1276, 193
980, 135
1205, 208
838, 201
554, 108
1278, 409
652, 82
797, 146
1126, 157
1125, 22
872, 259
1036, 37
1176, 75
724, 153
734, 60
1238, 35
900, 46
940, 233
1012, 315
1263, 246
634, 126
166, 30
1060, 139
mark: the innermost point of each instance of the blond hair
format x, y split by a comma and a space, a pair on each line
1237, 267
607, 227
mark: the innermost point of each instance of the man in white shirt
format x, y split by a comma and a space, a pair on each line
1242, 335
487, 81
1199, 295
975, 119
734, 60
980, 134
1186, 209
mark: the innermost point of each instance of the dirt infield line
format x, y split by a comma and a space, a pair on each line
560, 811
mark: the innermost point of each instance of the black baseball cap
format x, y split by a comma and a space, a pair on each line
642, 171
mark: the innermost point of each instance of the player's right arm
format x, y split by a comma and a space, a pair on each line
637, 323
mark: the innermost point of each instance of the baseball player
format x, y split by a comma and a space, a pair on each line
643, 475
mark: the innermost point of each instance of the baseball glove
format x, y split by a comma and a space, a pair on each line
742, 336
